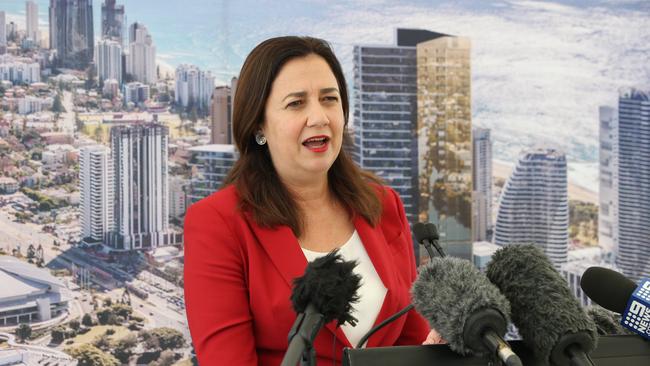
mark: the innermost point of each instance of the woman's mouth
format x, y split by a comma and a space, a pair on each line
317, 143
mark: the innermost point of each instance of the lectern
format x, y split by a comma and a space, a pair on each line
623, 350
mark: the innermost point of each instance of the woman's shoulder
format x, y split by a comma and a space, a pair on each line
386, 195
225, 202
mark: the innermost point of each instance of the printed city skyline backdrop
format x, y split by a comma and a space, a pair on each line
501, 122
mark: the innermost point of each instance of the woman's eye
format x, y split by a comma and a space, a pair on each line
295, 103
332, 99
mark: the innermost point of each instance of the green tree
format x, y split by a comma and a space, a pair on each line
166, 358
31, 252
104, 316
102, 342
79, 124
58, 334
89, 355
150, 341
90, 77
23, 331
87, 320
45, 206
123, 348
99, 134
122, 310
163, 338
74, 324
57, 105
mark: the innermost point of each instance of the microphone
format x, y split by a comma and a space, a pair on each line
464, 307
549, 318
607, 322
619, 294
324, 293
427, 235
607, 288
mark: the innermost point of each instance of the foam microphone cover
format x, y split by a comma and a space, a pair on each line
607, 322
543, 307
432, 231
420, 231
448, 291
330, 284
607, 288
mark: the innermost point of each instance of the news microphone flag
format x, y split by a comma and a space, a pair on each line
637, 313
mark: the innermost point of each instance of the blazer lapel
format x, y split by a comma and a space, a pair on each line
284, 250
375, 243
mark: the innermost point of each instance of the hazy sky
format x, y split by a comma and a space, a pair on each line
539, 69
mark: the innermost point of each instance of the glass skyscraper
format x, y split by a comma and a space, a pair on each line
384, 117
391, 127
633, 252
210, 167
444, 137
113, 21
608, 181
482, 183
71, 32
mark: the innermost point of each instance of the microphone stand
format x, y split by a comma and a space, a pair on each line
306, 327
432, 242
428, 244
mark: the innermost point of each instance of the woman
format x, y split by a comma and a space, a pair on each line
292, 196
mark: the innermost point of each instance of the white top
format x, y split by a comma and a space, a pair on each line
371, 292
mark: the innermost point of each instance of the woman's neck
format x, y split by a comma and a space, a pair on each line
311, 194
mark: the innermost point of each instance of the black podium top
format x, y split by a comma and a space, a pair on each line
623, 350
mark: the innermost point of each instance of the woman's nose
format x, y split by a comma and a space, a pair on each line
316, 115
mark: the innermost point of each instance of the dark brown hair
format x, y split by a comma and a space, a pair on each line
259, 187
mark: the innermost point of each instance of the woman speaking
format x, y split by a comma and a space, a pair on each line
293, 196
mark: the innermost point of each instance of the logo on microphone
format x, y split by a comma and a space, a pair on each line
637, 314
644, 291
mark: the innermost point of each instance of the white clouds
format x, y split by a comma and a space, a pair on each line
543, 6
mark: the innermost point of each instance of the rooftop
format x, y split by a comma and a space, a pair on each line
20, 278
214, 148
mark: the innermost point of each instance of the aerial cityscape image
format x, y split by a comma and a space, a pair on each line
501, 122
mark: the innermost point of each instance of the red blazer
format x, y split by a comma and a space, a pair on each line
238, 279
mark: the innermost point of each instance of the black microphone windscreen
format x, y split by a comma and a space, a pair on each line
607, 322
432, 231
607, 288
420, 231
448, 291
543, 307
330, 284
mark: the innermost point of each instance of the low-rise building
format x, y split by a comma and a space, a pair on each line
28, 293
8, 185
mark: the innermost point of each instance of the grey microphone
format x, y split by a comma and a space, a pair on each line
464, 307
607, 322
550, 319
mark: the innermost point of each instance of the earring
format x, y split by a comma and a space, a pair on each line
260, 138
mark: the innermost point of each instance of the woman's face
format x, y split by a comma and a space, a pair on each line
304, 119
